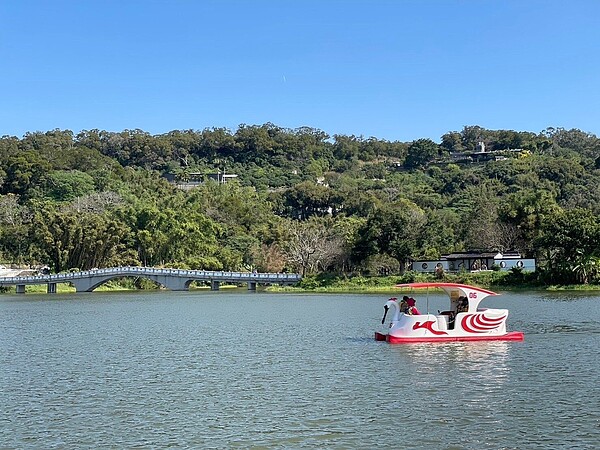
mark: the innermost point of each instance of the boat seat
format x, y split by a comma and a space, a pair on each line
442, 322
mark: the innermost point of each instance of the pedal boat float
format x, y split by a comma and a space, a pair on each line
474, 324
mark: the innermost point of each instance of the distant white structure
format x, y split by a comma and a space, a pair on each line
221, 178
6, 272
480, 147
475, 261
196, 179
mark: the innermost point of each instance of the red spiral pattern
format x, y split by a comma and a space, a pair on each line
479, 323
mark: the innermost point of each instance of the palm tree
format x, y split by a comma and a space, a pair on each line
587, 268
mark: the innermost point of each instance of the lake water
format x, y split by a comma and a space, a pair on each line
237, 369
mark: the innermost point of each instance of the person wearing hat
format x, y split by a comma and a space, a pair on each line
412, 307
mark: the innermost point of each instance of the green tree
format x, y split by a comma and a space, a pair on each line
15, 219
395, 230
527, 210
587, 268
584, 143
25, 173
307, 199
570, 242
65, 186
420, 153
452, 142
76, 240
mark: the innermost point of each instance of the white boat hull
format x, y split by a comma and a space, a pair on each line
474, 324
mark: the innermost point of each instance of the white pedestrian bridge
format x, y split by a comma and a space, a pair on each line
173, 279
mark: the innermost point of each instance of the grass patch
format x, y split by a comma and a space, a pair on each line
514, 279
61, 288
574, 287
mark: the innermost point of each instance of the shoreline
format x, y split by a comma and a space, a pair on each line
331, 285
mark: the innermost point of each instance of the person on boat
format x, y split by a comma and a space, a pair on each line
463, 305
451, 320
412, 307
404, 305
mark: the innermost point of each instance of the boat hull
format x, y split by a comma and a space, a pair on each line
380, 336
511, 336
463, 321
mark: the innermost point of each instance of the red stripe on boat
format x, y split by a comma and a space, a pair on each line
380, 336
512, 336
470, 323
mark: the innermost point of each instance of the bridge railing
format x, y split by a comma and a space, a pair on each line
128, 270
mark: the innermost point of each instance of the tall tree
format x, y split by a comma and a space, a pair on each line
527, 210
570, 242
311, 245
420, 153
75, 240
395, 230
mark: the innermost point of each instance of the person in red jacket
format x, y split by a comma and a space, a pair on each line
412, 307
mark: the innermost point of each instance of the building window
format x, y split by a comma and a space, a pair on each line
503, 264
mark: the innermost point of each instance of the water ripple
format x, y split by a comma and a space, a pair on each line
234, 370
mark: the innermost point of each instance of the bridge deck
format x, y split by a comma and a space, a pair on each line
171, 278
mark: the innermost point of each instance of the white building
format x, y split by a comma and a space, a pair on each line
475, 261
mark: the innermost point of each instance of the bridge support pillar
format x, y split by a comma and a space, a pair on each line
251, 285
214, 285
20, 288
51, 288
172, 283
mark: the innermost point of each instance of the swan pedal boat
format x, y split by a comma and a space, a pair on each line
475, 324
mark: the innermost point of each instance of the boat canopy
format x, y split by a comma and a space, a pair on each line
455, 290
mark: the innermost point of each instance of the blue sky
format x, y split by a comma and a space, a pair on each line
395, 70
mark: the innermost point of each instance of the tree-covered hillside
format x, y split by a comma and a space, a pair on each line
303, 200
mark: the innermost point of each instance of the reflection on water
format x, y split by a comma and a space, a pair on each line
466, 365
458, 352
239, 369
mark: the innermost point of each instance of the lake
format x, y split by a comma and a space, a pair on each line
239, 369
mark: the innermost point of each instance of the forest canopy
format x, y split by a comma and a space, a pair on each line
302, 200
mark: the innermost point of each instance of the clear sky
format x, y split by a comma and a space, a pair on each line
396, 70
